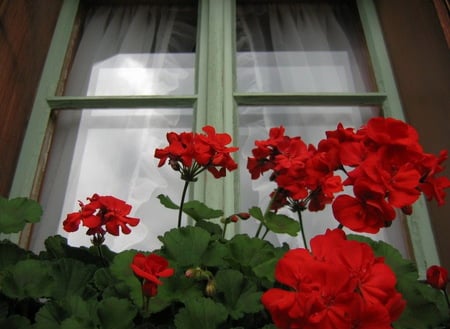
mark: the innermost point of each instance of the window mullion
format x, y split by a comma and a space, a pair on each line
323, 99
99, 102
215, 83
419, 226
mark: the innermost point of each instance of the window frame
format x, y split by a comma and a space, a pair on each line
215, 89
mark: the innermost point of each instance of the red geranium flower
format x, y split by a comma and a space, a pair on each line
102, 214
191, 153
150, 268
340, 284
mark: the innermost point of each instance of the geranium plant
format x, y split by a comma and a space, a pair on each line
198, 278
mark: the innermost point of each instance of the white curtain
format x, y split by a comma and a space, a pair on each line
306, 48
149, 50
136, 50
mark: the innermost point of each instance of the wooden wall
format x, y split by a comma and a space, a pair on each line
420, 60
26, 28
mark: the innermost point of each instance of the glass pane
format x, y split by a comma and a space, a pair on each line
111, 152
301, 47
135, 50
310, 123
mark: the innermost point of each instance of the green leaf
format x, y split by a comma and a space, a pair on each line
282, 224
50, 316
201, 313
186, 245
250, 252
10, 254
240, 296
17, 212
121, 270
71, 277
198, 210
28, 278
177, 288
167, 202
115, 313
69, 313
257, 213
57, 247
15, 322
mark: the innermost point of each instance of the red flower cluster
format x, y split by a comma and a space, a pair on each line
437, 277
300, 171
389, 170
340, 284
102, 214
383, 160
150, 268
190, 153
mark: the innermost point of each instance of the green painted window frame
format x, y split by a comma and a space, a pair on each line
215, 102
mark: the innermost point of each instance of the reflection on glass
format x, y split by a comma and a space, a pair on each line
300, 47
111, 152
135, 50
310, 123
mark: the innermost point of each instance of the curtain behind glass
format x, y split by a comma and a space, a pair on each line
302, 47
136, 50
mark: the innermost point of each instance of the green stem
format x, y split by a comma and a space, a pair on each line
183, 196
269, 206
446, 298
300, 220
340, 226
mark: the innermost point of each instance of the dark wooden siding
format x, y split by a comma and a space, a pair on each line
420, 60
26, 28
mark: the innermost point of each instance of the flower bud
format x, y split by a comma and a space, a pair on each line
244, 215
234, 218
407, 210
437, 277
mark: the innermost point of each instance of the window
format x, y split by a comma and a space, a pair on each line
241, 67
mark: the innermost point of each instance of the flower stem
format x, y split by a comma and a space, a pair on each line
300, 220
446, 297
269, 206
183, 196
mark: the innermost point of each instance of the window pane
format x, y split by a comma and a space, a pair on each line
310, 123
111, 152
301, 47
135, 50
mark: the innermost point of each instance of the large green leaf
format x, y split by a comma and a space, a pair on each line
10, 254
17, 212
250, 252
69, 313
239, 295
121, 270
198, 210
186, 245
177, 288
114, 313
50, 316
15, 322
71, 277
28, 278
201, 313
